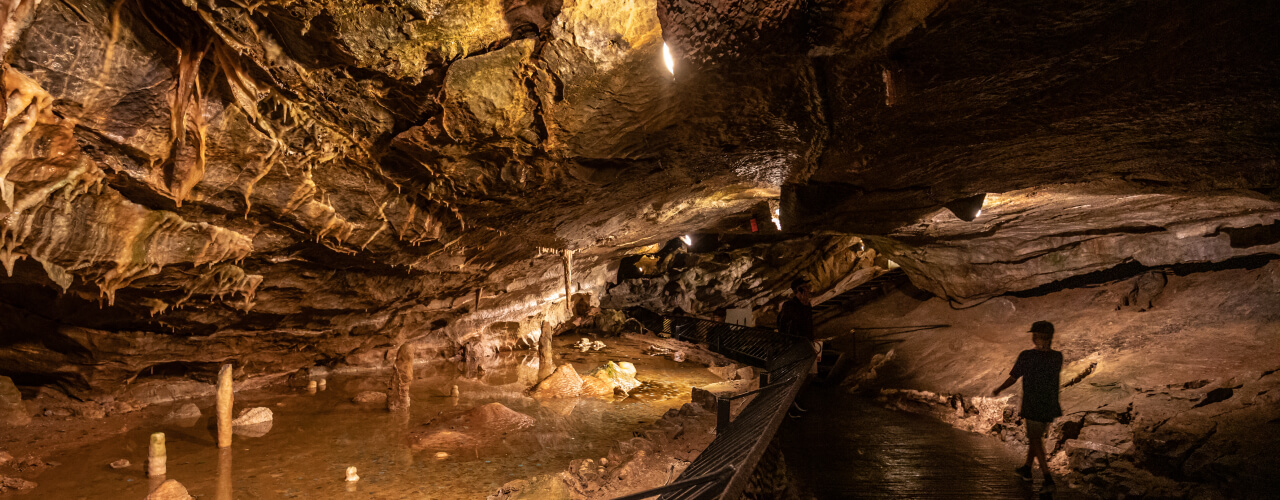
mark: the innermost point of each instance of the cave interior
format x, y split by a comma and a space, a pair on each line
488, 208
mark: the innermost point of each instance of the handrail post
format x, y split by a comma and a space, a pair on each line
764, 379
722, 414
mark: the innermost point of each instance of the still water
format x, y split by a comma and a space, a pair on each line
314, 438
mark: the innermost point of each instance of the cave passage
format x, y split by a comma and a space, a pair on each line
503, 249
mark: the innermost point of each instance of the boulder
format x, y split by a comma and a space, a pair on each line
253, 416
370, 397
706, 395
725, 372
169, 490
547, 488
594, 387
621, 376
253, 422
562, 383
15, 483
12, 410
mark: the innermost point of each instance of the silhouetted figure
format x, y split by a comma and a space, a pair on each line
1039, 369
796, 318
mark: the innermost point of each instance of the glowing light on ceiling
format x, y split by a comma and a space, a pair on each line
893, 265
687, 239
667, 59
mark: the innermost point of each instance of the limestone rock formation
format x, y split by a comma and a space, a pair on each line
169, 490
253, 422
562, 383
620, 376
13, 412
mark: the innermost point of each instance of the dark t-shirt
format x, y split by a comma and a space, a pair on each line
1039, 371
796, 319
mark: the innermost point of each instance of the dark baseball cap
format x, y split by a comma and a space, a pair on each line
1043, 327
798, 282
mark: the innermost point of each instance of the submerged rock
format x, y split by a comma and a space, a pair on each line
562, 383
120, 464
370, 397
169, 490
475, 427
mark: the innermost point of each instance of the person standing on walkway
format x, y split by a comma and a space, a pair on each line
796, 317
1038, 368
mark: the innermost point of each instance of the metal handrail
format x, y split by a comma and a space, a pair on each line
739, 442
718, 476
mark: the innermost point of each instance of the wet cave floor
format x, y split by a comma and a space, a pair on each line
314, 438
854, 447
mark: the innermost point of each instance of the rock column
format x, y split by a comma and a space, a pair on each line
157, 458
401, 379
225, 399
566, 258
546, 355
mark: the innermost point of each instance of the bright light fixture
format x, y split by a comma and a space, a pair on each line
687, 239
667, 59
776, 222
967, 209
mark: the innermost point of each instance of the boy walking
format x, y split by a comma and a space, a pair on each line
1039, 370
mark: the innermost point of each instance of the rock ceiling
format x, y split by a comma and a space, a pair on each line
303, 179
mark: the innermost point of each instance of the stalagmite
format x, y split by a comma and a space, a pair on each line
156, 456
401, 379
351, 474
546, 355
322, 384
566, 257
225, 397
312, 386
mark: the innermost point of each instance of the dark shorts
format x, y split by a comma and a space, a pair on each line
1036, 428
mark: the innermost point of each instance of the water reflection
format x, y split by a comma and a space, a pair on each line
314, 438
223, 491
